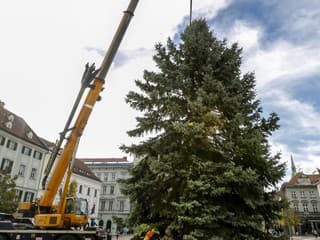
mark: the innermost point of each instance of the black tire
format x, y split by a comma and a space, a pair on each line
3, 237
66, 237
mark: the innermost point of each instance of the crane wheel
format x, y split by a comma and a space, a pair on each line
3, 237
65, 237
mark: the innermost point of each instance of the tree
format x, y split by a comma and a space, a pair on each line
207, 171
289, 219
8, 199
119, 222
72, 189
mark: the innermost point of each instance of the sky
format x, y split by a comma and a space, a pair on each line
44, 46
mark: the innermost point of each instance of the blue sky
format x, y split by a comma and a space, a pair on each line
281, 44
290, 30
46, 45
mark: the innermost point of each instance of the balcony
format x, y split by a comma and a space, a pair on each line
308, 214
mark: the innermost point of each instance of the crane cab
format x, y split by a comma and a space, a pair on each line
75, 214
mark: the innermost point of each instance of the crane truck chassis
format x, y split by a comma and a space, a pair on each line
62, 221
52, 234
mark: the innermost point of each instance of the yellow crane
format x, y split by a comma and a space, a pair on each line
72, 212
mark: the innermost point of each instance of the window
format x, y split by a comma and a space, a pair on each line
28, 196
113, 177
12, 145
6, 165
110, 205
106, 176
2, 140
305, 207
26, 151
296, 207
33, 173
315, 207
88, 191
69, 206
312, 195
302, 195
293, 194
37, 155
111, 189
22, 169
123, 175
93, 209
95, 192
102, 205
121, 206
104, 190
81, 206
80, 189
18, 195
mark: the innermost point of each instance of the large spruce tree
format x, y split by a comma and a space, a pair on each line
207, 171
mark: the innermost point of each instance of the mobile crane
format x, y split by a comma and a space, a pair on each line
59, 221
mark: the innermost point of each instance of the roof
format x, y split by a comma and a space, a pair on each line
313, 179
18, 127
104, 160
50, 145
80, 168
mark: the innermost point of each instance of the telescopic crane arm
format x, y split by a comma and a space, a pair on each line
88, 75
96, 87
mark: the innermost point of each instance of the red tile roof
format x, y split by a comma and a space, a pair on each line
314, 178
80, 168
19, 127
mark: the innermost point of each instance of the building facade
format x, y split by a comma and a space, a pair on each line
302, 193
113, 204
22, 154
88, 187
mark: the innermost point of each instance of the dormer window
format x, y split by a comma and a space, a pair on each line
30, 135
9, 125
11, 118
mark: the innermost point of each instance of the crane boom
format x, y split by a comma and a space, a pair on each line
92, 97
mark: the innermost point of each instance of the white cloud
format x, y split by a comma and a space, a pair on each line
277, 62
43, 49
276, 67
247, 36
306, 160
310, 147
277, 147
280, 61
301, 115
209, 9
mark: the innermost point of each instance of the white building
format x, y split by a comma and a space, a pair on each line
25, 155
88, 187
302, 193
112, 202
22, 153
